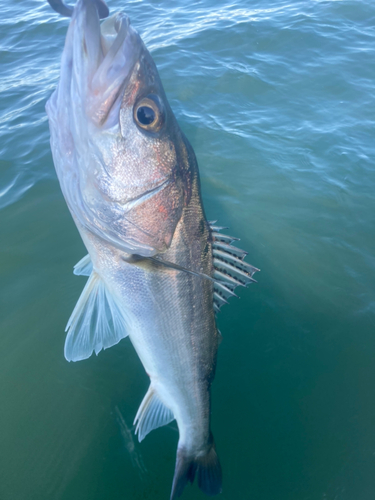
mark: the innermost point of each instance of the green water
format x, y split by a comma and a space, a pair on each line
277, 100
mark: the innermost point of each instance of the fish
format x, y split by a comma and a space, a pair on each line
158, 270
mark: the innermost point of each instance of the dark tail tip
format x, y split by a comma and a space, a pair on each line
206, 467
209, 473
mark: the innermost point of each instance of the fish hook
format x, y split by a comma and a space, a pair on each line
67, 10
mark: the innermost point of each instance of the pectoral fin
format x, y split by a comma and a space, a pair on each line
96, 323
151, 414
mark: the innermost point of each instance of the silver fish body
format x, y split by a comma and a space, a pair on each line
131, 182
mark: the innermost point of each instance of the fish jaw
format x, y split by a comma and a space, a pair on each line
104, 161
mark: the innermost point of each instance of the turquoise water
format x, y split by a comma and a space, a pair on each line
277, 100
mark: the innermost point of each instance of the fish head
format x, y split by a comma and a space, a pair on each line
124, 166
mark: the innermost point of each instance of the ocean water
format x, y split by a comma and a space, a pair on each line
277, 99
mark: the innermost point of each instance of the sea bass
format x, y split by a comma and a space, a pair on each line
158, 270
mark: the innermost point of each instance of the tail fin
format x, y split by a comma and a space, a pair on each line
206, 467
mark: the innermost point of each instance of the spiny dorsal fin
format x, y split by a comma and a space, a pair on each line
151, 414
96, 323
230, 270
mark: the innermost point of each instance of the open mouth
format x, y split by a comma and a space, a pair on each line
113, 32
110, 52
119, 47
97, 59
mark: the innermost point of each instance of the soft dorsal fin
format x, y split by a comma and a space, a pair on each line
230, 270
83, 267
96, 323
151, 414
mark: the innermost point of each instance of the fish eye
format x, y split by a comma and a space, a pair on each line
149, 113
145, 115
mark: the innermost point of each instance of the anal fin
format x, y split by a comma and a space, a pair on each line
151, 414
83, 267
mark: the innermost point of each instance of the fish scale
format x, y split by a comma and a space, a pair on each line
158, 270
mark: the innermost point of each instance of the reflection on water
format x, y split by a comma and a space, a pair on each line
128, 437
278, 102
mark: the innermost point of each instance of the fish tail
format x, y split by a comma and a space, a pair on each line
206, 467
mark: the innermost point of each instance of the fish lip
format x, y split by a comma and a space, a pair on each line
117, 27
117, 37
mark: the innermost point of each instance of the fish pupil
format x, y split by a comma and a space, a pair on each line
145, 115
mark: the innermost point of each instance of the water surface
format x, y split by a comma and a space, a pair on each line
277, 99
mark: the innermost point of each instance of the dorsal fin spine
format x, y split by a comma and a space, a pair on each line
221, 287
234, 261
224, 237
218, 298
229, 280
226, 247
230, 270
